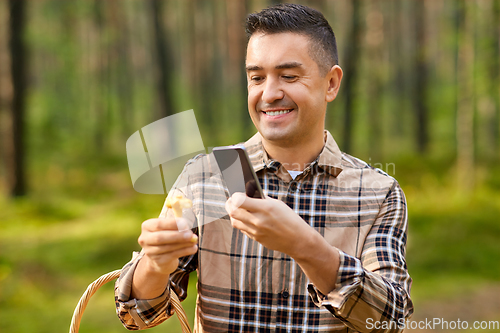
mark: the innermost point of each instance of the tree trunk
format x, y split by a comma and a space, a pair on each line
421, 74
123, 68
205, 57
16, 168
465, 96
164, 59
495, 79
399, 90
236, 13
5, 95
375, 47
351, 64
101, 109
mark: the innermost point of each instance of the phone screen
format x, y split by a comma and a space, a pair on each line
237, 171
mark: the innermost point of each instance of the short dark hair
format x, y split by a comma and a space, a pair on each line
298, 19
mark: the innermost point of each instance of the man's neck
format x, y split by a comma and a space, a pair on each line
295, 157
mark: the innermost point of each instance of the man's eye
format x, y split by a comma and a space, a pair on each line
256, 78
289, 77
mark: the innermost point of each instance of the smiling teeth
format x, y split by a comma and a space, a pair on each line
277, 113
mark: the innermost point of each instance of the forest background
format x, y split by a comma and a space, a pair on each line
420, 99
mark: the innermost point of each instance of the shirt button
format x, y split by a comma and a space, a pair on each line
293, 186
285, 293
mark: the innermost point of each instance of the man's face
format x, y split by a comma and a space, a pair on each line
287, 95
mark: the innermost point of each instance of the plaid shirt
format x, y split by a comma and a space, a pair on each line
243, 286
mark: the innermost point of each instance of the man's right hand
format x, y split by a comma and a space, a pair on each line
162, 244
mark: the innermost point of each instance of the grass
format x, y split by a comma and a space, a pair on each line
53, 244
454, 251
453, 239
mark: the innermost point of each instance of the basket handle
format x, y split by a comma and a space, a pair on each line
94, 286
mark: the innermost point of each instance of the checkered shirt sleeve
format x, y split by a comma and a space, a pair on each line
376, 287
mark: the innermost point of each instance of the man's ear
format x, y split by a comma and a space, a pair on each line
334, 77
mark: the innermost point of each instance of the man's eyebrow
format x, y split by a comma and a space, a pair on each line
286, 65
253, 68
292, 64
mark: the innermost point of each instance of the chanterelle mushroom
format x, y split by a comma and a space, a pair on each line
178, 203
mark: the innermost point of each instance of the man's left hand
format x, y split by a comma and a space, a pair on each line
268, 221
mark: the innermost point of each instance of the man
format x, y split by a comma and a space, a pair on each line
324, 251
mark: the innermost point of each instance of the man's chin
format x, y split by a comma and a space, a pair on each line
278, 137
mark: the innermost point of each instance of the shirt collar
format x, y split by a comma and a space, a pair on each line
330, 158
256, 152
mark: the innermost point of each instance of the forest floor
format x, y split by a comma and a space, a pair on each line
480, 305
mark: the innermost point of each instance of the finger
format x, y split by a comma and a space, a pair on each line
166, 237
239, 200
244, 216
163, 258
168, 223
247, 229
158, 224
186, 251
235, 202
182, 224
166, 249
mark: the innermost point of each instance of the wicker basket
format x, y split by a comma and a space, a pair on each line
94, 286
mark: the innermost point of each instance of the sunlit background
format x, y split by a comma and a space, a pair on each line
420, 99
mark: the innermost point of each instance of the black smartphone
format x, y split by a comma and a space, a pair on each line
237, 171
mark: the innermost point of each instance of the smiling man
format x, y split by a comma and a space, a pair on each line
324, 251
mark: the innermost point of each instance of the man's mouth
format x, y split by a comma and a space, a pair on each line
277, 112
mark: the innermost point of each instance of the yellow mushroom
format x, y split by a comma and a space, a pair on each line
178, 203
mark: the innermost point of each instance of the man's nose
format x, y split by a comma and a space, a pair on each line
272, 91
